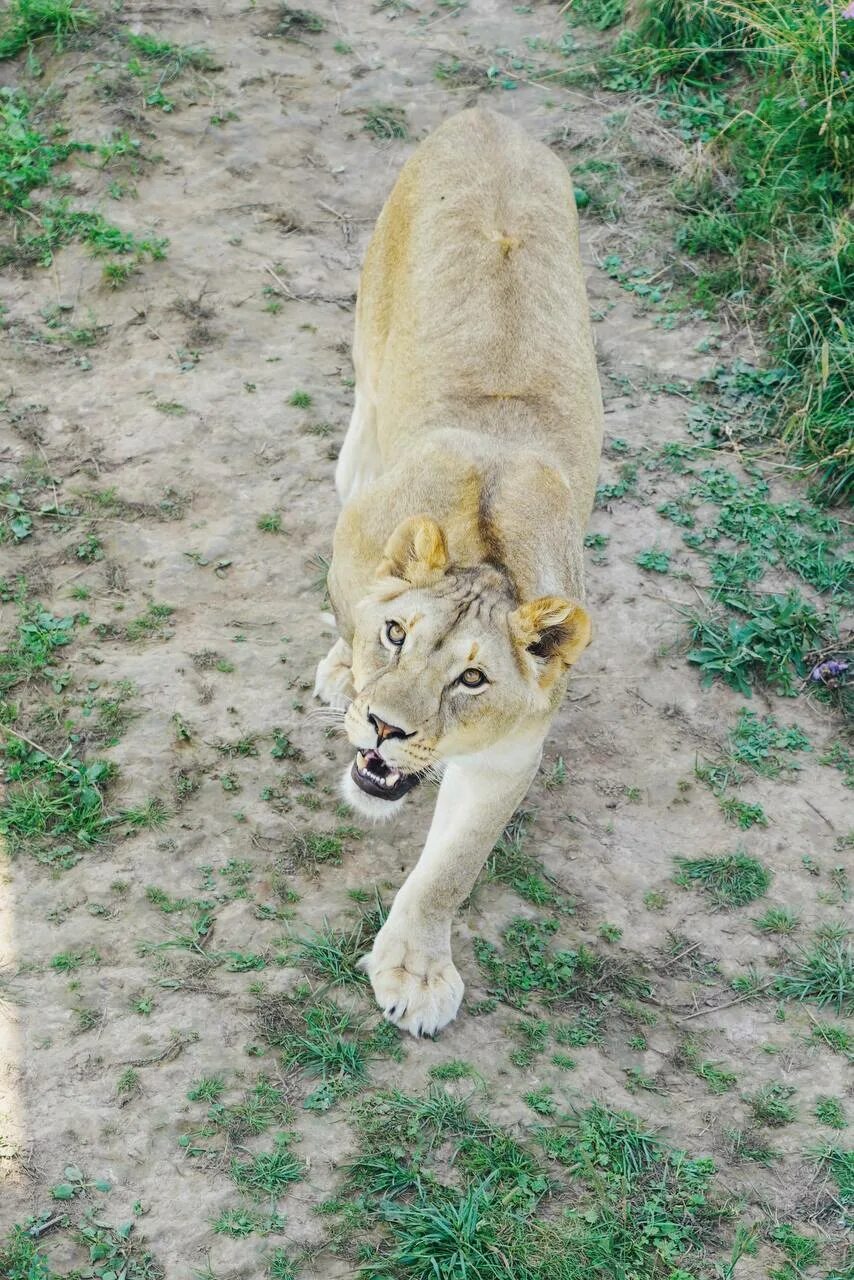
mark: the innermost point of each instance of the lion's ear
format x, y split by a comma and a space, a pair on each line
416, 552
552, 628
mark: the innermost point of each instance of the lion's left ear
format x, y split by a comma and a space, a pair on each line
416, 552
552, 628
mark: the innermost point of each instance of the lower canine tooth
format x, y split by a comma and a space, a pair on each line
392, 779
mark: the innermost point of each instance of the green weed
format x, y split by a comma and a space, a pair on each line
293, 24
27, 20
767, 643
840, 1165
332, 954
529, 966
731, 881
654, 560
53, 808
385, 122
268, 1173
837, 1039
822, 974
830, 1112
780, 920
743, 815
770, 1105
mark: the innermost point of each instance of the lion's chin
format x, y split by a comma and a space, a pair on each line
366, 802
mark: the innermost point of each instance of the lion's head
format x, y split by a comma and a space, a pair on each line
446, 663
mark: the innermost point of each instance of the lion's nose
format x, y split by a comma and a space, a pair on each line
385, 730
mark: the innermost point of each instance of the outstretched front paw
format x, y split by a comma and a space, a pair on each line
418, 991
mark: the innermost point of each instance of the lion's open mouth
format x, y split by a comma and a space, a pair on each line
377, 778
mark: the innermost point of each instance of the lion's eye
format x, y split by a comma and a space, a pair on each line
395, 634
472, 678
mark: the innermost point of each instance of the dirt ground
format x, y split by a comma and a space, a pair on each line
267, 214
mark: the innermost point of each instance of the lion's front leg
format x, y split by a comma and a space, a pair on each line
415, 981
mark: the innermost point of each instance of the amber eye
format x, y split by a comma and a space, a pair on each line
395, 634
472, 678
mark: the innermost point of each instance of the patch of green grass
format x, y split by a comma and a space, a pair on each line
270, 522
529, 966
455, 1069
760, 743
803, 1251
770, 1105
718, 1078
280, 1267
32, 649
113, 1251
655, 560
600, 14
150, 623
731, 881
171, 59
268, 1173
840, 1165
625, 487
822, 974
830, 1112
511, 864
766, 643
293, 24
385, 122
324, 1040
332, 954
638, 1207
747, 1144
742, 814
583, 1031
26, 21
533, 1036
260, 1108
839, 757
300, 400
770, 220
53, 808
207, 1089
28, 159
780, 920
837, 1039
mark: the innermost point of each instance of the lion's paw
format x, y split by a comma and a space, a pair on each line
333, 683
418, 992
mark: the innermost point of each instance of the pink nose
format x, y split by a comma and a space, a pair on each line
384, 730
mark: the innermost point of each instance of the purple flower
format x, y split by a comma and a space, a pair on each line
832, 667
848, 12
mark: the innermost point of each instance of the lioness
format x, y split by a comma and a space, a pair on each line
466, 479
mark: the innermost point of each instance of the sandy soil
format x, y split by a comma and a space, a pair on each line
275, 205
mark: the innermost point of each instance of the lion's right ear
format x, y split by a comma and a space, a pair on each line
416, 552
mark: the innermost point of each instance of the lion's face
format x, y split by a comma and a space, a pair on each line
446, 663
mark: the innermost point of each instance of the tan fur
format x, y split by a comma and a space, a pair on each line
467, 478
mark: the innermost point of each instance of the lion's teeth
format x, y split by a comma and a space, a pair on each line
360, 760
393, 779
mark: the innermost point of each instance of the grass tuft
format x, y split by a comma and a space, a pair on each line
822, 974
29, 20
731, 881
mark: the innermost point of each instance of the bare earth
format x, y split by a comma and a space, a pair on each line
275, 205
